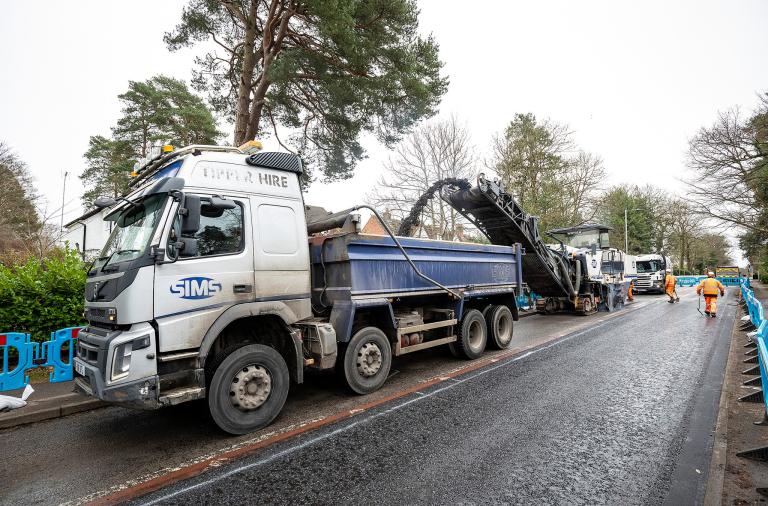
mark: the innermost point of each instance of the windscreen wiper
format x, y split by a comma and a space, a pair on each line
113, 267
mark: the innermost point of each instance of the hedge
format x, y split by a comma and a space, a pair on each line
40, 296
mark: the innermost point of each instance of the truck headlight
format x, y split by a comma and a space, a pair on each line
121, 359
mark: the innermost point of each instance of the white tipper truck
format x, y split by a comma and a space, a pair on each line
651, 271
210, 286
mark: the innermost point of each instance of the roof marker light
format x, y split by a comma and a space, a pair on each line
250, 147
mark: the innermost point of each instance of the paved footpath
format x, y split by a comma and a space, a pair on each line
605, 409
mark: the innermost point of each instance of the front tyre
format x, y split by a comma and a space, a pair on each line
248, 389
367, 360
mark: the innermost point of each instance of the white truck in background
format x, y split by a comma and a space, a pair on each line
651, 270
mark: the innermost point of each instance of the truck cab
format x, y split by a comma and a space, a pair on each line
651, 270
182, 263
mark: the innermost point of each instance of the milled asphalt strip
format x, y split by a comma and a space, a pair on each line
341, 430
688, 481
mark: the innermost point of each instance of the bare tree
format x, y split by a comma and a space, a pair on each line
435, 151
581, 184
729, 161
538, 162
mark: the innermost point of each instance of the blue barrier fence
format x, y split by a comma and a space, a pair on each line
756, 318
20, 354
527, 302
695, 280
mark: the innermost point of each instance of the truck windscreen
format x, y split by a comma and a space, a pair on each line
649, 266
132, 233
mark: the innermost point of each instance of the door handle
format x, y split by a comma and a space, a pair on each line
242, 288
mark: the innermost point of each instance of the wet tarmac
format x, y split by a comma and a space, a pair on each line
597, 412
606, 415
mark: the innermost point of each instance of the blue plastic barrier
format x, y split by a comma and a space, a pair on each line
762, 351
762, 357
689, 280
695, 280
62, 371
754, 306
527, 302
27, 353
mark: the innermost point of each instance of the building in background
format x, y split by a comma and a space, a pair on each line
88, 233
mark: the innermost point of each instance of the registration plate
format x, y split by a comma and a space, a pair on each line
80, 368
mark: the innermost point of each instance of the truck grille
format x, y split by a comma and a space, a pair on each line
643, 281
87, 352
93, 346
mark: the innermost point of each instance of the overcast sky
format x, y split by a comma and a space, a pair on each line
633, 81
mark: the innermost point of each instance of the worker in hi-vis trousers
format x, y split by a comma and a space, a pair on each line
669, 287
710, 286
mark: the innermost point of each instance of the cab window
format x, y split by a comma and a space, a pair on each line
220, 232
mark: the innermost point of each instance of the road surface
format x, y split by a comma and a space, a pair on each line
604, 409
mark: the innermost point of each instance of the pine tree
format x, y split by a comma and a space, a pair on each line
328, 70
158, 111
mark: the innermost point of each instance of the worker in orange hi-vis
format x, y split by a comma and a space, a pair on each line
711, 287
669, 287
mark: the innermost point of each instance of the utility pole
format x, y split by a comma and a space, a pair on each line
63, 195
626, 229
626, 234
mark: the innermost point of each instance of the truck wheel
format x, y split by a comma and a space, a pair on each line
367, 359
248, 389
500, 330
472, 335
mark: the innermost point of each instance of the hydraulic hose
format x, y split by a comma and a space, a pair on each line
566, 276
412, 219
577, 274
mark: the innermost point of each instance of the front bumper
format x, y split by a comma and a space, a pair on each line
141, 394
137, 387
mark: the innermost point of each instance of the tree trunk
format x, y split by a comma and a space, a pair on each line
246, 77
275, 27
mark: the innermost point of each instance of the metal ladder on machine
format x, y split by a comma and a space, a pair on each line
498, 215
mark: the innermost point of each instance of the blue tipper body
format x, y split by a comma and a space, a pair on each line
348, 266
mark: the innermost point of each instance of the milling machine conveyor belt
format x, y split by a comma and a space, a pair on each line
496, 213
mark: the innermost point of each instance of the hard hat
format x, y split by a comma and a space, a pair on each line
711, 274
669, 270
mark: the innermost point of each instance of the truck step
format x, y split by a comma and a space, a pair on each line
183, 394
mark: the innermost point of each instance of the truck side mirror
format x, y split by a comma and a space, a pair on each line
221, 203
188, 246
104, 202
190, 215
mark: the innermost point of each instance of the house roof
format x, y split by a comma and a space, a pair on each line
84, 217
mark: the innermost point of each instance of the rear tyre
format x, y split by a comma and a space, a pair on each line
248, 389
472, 335
367, 360
500, 327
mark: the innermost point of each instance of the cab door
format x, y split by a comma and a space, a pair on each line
193, 291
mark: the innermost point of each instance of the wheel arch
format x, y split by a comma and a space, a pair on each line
349, 316
257, 323
481, 301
